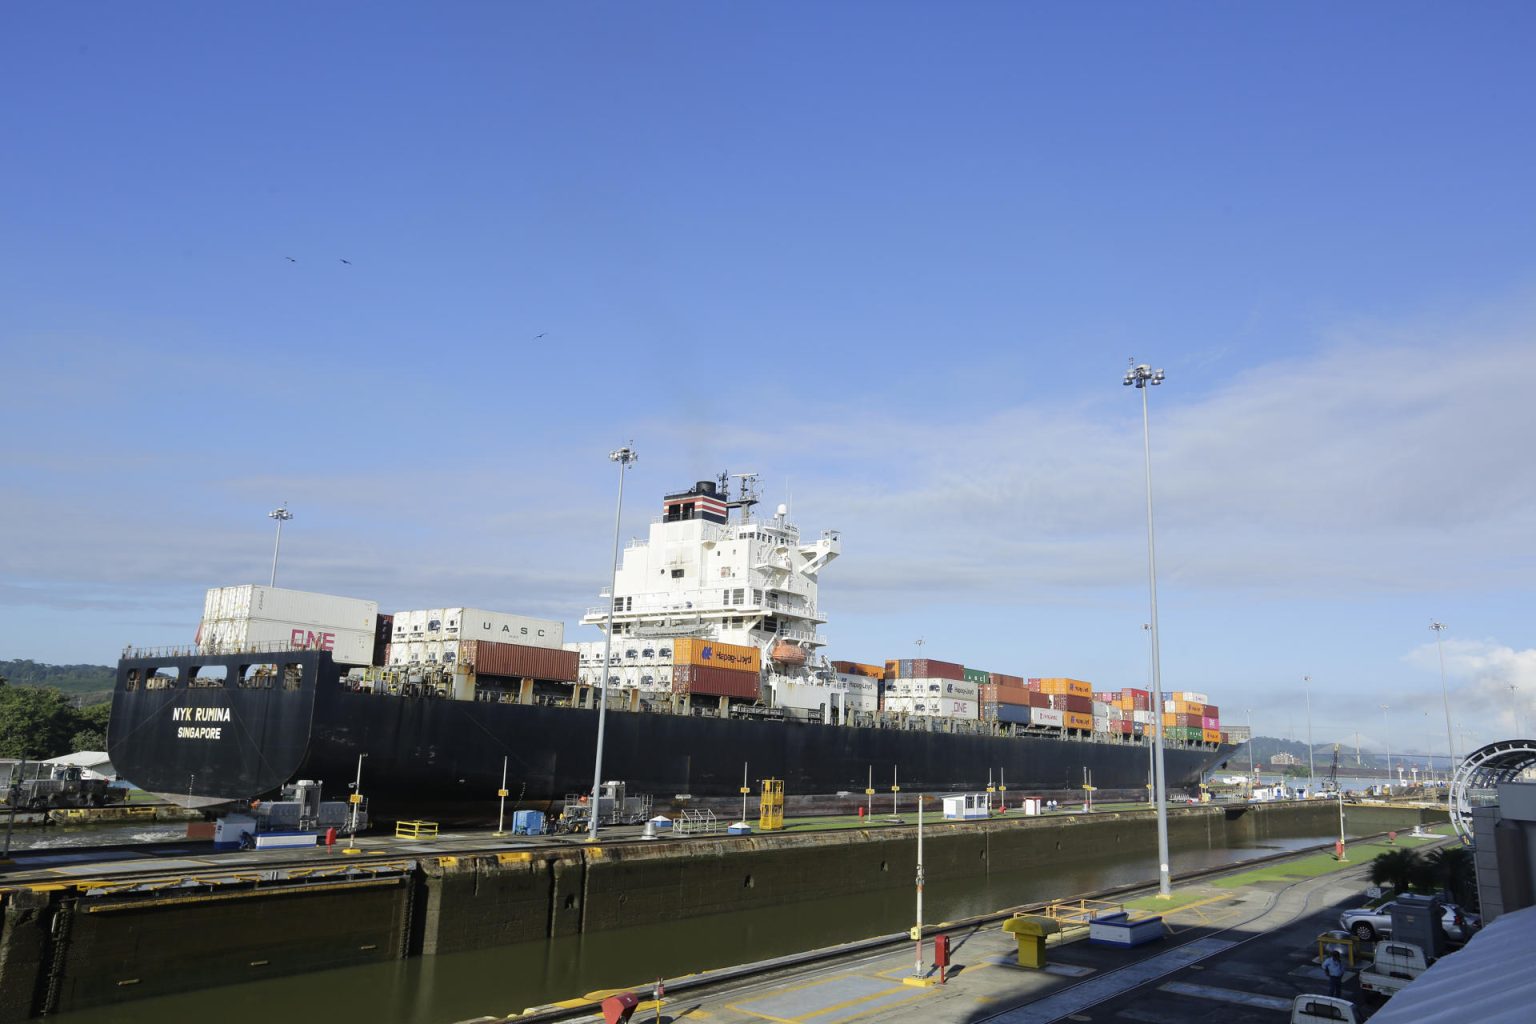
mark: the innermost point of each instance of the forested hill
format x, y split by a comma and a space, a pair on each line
74, 679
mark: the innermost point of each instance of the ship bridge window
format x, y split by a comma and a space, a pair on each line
293, 676
160, 678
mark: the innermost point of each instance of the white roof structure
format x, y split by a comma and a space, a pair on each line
94, 761
1490, 979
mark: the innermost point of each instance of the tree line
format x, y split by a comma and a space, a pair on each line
39, 722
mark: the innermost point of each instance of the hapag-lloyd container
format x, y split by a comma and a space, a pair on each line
300, 607
712, 654
1047, 716
231, 636
716, 682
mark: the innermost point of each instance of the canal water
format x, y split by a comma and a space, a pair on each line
509, 979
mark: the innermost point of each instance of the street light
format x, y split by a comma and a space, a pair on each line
1386, 727
625, 457
1439, 627
282, 515
1306, 682
1140, 377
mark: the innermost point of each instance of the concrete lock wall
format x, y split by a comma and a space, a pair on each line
61, 950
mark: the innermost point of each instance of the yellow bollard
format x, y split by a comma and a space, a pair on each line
1030, 933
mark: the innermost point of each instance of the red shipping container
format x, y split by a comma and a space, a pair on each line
716, 682
1000, 679
1072, 703
1039, 700
1212, 711
928, 668
518, 661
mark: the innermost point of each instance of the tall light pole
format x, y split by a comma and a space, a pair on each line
1450, 747
1306, 682
1514, 703
282, 515
1251, 769
625, 457
1386, 727
1141, 377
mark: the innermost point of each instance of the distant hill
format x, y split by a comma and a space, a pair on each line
89, 682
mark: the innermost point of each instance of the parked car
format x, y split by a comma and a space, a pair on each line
1371, 923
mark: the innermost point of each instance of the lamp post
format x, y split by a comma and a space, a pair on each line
1386, 727
356, 799
282, 515
1450, 748
1514, 703
625, 457
1141, 377
1306, 682
1252, 770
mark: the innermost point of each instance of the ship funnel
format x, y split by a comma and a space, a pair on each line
704, 487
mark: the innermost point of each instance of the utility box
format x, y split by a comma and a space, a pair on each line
1031, 933
1417, 919
527, 823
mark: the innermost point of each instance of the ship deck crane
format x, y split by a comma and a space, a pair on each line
1331, 783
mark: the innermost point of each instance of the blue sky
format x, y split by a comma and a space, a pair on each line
892, 257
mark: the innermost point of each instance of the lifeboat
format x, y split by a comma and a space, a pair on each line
786, 653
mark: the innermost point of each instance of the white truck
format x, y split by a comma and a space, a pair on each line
1396, 964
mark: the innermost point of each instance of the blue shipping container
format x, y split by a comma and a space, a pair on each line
527, 823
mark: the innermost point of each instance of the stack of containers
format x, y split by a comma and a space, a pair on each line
1072, 697
710, 668
927, 686
256, 618
1183, 717
1210, 724
1100, 716
1006, 699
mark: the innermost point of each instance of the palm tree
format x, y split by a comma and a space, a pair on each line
1396, 868
1452, 870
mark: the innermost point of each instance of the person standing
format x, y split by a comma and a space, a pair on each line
1333, 967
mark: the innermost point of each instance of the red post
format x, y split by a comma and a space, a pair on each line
941, 955
1338, 849
330, 837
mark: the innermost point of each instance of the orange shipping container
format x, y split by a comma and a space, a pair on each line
855, 668
1211, 735
1073, 720
712, 654
1061, 684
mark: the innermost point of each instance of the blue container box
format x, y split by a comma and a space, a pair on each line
527, 823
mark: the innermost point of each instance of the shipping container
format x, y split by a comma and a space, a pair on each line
854, 668
716, 682
1209, 722
977, 676
928, 668
1061, 684
231, 636
1000, 679
994, 694
1078, 704
863, 692
298, 607
932, 707
1015, 714
517, 661
1191, 696
1140, 700
1039, 700
713, 654
1210, 735
477, 624
1074, 720
1047, 717
1212, 711
1143, 718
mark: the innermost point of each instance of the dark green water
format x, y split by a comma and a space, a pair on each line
509, 979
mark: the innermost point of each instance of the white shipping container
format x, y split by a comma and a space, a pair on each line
253, 601
863, 692
478, 624
1144, 717
1046, 716
935, 707
347, 646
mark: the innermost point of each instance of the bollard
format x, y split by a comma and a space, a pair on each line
1030, 933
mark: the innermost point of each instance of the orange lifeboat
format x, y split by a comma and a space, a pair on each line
786, 653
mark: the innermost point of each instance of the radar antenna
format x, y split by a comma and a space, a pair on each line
746, 493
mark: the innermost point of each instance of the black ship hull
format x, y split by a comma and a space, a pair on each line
435, 755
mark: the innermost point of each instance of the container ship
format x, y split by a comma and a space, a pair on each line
715, 676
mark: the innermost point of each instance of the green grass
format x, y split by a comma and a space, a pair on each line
1180, 898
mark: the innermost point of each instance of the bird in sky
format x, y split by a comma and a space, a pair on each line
290, 259
347, 262
541, 334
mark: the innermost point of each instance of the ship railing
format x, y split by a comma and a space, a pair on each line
212, 650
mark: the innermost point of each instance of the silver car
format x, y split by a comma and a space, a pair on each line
1371, 923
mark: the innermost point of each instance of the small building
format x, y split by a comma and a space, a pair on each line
965, 806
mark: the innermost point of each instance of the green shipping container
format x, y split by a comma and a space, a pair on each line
976, 675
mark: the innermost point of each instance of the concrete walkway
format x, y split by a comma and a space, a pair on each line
1233, 954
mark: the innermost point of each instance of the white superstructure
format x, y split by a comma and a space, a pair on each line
734, 579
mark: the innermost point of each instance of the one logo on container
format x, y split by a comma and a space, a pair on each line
308, 640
